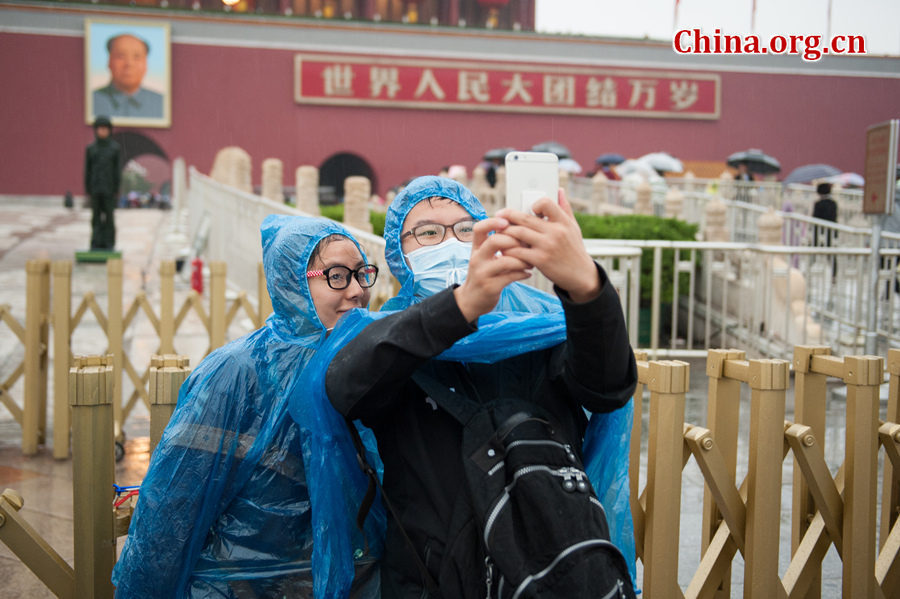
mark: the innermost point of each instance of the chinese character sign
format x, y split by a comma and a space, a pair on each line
438, 84
881, 156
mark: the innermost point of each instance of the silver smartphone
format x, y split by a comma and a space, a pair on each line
530, 176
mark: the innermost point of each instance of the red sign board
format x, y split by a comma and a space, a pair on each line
881, 156
438, 84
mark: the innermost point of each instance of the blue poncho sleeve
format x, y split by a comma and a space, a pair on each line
605, 450
337, 485
199, 464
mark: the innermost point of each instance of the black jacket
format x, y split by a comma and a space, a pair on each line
103, 167
369, 379
826, 209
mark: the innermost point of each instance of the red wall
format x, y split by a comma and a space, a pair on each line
243, 96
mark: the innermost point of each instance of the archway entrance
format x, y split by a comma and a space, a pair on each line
338, 167
147, 178
136, 144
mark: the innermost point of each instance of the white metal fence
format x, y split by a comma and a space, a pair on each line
764, 298
789, 199
225, 222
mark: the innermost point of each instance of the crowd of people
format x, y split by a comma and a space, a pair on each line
256, 490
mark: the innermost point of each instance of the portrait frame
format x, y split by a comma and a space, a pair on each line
151, 105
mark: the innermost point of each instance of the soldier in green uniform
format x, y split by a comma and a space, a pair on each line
102, 176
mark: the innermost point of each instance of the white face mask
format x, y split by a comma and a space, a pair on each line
436, 267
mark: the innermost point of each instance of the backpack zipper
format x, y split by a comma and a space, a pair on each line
488, 575
596, 502
564, 446
566, 473
496, 467
617, 591
562, 555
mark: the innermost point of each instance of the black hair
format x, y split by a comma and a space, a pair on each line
102, 121
111, 41
324, 243
823, 189
430, 199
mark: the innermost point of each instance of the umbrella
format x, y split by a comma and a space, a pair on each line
662, 162
610, 159
636, 166
497, 153
757, 161
567, 164
553, 147
846, 180
810, 172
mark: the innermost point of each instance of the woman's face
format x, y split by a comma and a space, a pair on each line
332, 303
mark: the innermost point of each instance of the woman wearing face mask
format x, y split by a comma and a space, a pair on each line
463, 318
228, 507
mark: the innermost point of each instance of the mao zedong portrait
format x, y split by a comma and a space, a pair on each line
124, 96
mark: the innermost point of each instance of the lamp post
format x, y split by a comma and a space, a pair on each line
412, 11
493, 6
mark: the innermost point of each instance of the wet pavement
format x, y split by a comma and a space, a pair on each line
42, 230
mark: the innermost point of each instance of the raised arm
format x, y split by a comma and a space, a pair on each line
599, 367
365, 376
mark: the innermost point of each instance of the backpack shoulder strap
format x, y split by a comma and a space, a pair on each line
457, 405
369, 498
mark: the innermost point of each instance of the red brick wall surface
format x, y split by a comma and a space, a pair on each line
243, 96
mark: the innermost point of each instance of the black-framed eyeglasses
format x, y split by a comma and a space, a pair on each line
338, 277
434, 233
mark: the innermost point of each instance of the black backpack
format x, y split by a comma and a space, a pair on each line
543, 530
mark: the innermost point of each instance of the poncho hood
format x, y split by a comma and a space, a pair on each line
288, 242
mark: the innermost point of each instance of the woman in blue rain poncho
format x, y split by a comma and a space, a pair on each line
569, 350
226, 508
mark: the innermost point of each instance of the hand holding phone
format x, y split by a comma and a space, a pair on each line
530, 176
553, 244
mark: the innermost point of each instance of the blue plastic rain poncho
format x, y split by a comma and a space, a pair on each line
524, 320
229, 505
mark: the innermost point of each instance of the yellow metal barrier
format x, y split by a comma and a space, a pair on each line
667, 381
37, 294
62, 308
34, 552
167, 373
91, 382
115, 322
5, 398
91, 390
745, 517
738, 516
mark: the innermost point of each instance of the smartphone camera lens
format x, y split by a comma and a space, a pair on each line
515, 156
